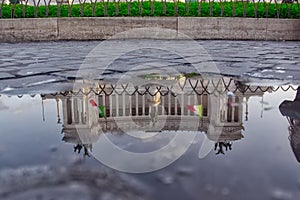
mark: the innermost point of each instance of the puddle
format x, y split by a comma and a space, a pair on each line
213, 137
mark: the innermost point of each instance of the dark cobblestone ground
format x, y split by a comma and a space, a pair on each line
33, 65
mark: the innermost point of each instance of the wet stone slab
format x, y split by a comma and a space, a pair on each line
6, 75
37, 70
62, 59
28, 81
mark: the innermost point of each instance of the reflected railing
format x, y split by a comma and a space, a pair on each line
198, 86
92, 8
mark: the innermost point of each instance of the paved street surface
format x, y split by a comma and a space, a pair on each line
35, 65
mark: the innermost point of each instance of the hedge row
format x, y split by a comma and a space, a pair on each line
204, 9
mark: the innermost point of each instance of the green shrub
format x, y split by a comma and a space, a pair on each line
201, 9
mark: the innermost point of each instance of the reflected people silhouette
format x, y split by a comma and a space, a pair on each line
291, 109
86, 151
222, 145
78, 148
220, 148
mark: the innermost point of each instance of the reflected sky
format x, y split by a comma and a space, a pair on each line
24, 134
260, 165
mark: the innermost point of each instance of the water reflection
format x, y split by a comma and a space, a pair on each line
291, 109
156, 108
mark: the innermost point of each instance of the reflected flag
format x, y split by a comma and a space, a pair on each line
196, 109
102, 112
100, 108
93, 103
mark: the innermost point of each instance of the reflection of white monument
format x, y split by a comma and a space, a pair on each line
156, 111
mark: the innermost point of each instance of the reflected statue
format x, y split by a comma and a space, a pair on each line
291, 109
213, 107
153, 101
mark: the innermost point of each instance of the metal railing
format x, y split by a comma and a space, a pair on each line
100, 8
